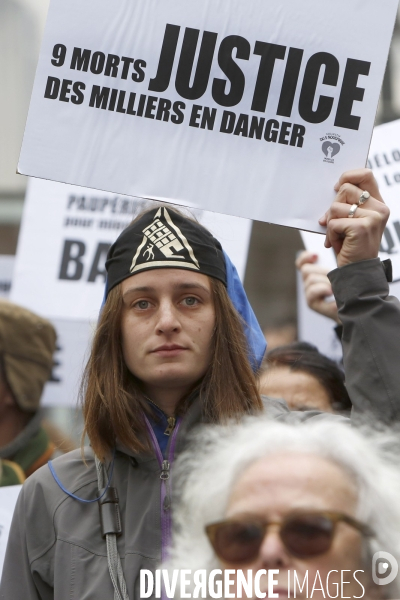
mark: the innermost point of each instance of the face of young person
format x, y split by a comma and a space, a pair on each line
167, 325
276, 486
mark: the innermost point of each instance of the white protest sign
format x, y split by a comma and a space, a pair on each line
8, 499
313, 327
6, 273
73, 347
73, 339
384, 160
316, 244
65, 234
246, 108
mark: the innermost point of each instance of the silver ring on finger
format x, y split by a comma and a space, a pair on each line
352, 210
363, 198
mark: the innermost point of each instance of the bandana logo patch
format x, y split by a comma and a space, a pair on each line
163, 245
161, 236
149, 250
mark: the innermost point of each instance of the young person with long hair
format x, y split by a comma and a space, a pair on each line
176, 344
170, 351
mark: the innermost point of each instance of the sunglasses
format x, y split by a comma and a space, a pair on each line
304, 535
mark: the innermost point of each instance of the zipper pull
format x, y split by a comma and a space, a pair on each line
165, 470
171, 425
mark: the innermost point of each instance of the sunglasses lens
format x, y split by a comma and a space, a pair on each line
308, 535
238, 542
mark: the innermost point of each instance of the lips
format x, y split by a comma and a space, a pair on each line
167, 347
169, 350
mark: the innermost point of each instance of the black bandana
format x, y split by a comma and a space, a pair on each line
164, 239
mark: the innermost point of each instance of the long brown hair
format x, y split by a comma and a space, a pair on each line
113, 404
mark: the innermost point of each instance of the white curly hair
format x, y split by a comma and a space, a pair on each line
205, 474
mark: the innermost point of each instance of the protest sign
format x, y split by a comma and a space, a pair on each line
6, 272
60, 265
384, 160
72, 351
73, 338
246, 108
313, 327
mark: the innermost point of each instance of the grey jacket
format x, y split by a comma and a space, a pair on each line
56, 550
370, 339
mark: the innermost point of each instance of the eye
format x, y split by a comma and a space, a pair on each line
190, 301
142, 304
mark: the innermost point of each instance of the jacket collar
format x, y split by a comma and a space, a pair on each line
190, 419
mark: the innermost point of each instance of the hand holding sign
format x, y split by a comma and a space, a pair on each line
358, 238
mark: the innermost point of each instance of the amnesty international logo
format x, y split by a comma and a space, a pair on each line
164, 245
331, 146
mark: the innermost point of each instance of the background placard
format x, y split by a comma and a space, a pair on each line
384, 160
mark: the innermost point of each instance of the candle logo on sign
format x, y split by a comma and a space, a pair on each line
331, 145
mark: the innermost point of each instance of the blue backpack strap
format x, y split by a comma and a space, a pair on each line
71, 495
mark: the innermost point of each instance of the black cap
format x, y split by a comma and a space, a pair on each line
164, 239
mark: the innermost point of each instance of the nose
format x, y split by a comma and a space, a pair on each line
272, 552
167, 318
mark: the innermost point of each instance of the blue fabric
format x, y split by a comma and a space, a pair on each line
159, 425
255, 337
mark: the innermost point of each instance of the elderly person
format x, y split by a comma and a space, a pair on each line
313, 501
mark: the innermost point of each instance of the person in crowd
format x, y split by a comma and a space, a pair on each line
305, 379
177, 344
312, 501
27, 344
169, 351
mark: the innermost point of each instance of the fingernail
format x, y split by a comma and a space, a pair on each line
321, 220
